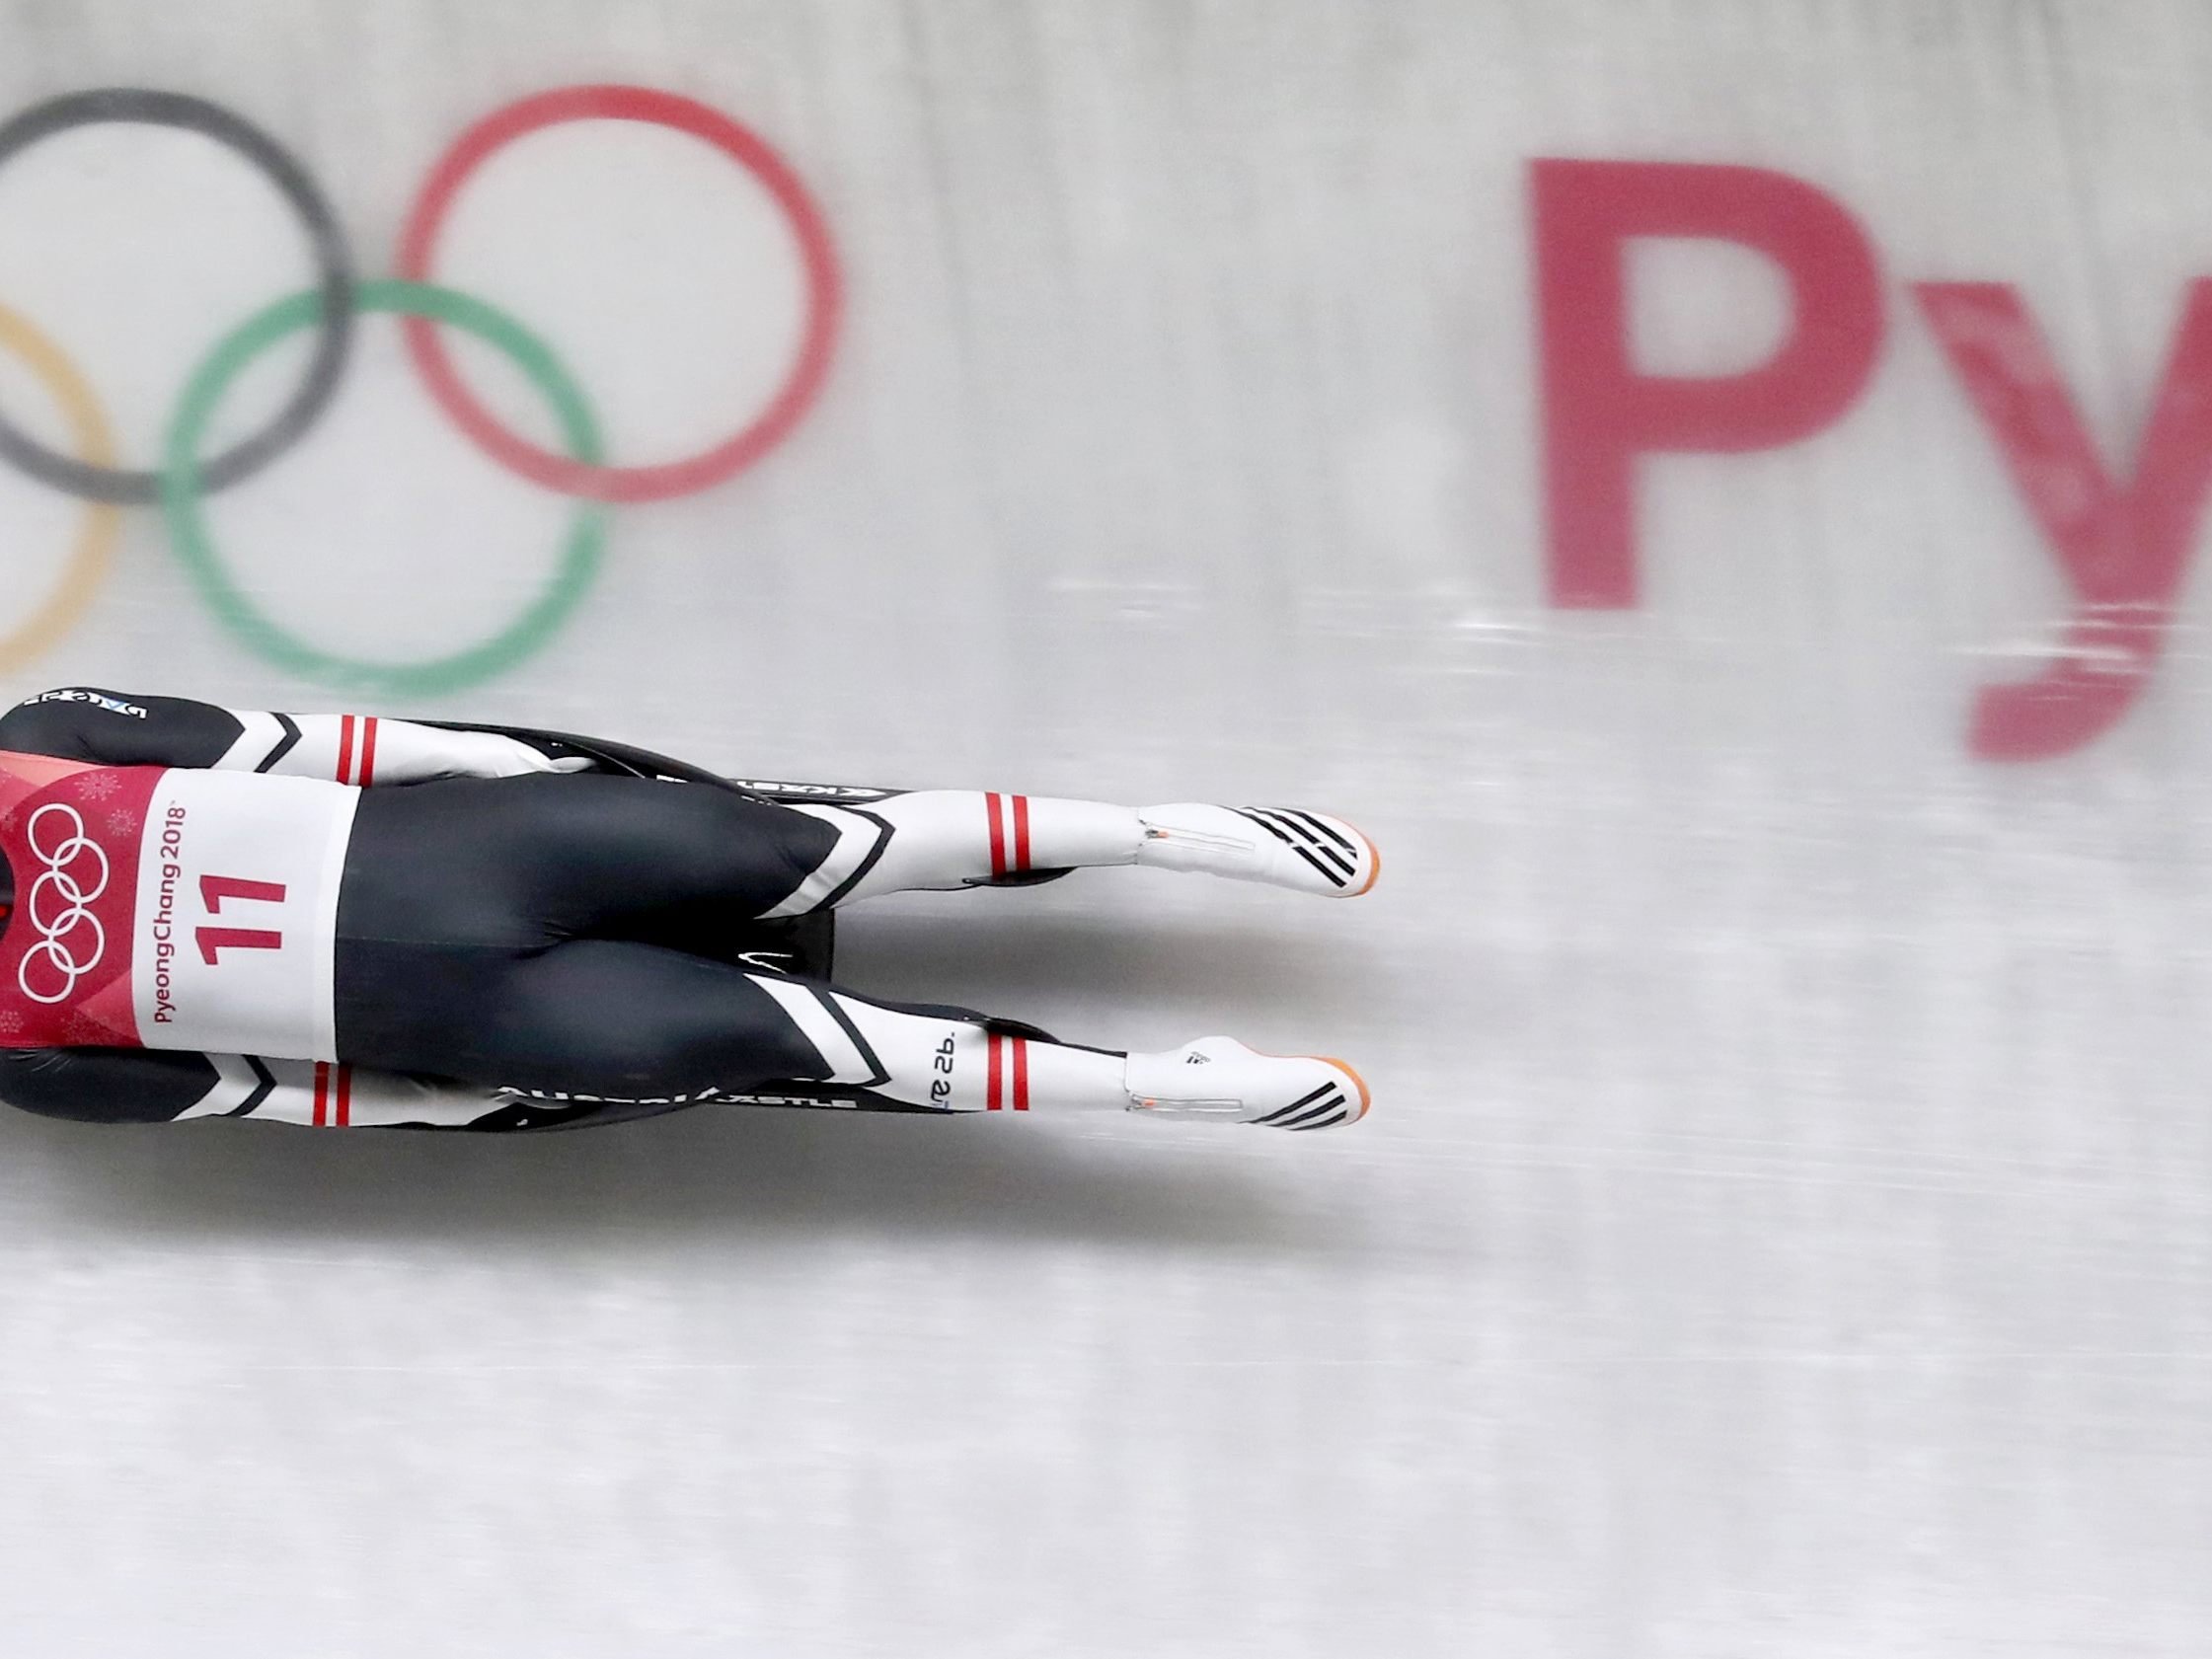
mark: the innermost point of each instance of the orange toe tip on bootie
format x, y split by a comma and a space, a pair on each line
1374, 862
1366, 1100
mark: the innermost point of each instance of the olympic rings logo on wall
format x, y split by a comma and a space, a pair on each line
180, 486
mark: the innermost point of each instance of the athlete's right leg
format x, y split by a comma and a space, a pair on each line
627, 1023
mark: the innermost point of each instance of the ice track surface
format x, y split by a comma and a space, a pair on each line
1785, 1228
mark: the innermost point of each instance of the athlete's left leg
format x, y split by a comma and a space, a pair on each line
967, 838
524, 863
532, 860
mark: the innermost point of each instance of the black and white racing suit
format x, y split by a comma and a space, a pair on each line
501, 945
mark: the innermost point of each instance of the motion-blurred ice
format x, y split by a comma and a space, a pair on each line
1783, 1228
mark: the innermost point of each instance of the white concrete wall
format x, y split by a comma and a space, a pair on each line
1783, 1229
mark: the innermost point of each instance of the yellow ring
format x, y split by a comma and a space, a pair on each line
95, 549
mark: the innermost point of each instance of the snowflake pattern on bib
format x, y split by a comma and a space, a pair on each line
84, 1030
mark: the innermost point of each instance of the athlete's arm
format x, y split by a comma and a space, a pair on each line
115, 729
169, 1086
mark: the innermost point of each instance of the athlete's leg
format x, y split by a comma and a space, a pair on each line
526, 862
631, 1023
687, 863
625, 1020
965, 838
599, 1017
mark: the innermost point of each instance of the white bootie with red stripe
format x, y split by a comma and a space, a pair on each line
1283, 846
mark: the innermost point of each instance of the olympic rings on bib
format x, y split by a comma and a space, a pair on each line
60, 936
182, 481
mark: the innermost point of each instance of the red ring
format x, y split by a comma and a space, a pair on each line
824, 291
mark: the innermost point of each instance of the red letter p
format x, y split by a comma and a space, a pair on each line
1600, 414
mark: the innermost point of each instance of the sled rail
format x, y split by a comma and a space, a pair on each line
629, 760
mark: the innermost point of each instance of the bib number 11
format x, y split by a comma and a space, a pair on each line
214, 891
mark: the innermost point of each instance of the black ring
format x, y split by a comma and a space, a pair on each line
334, 280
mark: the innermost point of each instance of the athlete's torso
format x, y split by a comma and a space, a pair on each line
170, 907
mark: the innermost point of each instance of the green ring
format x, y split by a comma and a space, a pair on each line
182, 500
